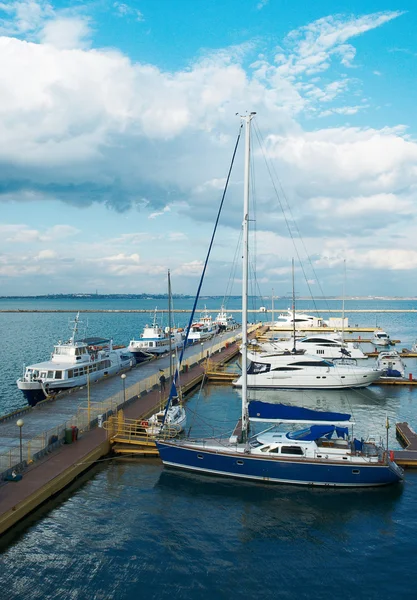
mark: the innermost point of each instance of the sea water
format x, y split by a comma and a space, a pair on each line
130, 528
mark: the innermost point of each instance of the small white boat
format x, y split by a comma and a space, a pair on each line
71, 364
225, 322
175, 421
155, 340
381, 338
202, 329
392, 364
324, 345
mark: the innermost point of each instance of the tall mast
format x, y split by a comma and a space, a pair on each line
343, 302
272, 302
293, 307
245, 421
169, 326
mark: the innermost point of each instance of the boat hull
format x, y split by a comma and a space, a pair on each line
35, 392
266, 380
277, 471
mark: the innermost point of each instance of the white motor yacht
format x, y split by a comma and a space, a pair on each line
381, 338
392, 364
323, 345
298, 320
302, 371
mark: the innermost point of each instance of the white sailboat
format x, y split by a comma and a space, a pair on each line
174, 418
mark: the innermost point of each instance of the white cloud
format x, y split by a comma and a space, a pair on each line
66, 33
190, 269
154, 215
125, 10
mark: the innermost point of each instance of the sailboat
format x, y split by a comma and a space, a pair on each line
320, 454
173, 418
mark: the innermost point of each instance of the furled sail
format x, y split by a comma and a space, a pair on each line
277, 413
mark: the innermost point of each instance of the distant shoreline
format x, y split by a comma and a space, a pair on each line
188, 310
186, 297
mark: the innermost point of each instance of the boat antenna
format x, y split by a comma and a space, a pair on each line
293, 308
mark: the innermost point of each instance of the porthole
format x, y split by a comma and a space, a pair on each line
200, 456
355, 471
239, 462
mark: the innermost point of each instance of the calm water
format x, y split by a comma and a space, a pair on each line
131, 529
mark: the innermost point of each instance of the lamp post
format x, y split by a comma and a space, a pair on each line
123, 378
20, 424
202, 351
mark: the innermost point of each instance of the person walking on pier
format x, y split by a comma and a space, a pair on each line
162, 381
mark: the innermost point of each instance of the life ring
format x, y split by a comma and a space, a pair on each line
144, 423
391, 455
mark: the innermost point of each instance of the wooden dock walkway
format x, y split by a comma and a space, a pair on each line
408, 439
45, 478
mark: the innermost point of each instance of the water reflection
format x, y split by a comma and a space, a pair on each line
285, 512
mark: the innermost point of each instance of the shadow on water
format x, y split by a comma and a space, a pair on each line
15, 534
284, 504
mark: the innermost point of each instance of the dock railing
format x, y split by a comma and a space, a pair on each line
90, 414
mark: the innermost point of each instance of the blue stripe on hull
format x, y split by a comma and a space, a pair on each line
276, 471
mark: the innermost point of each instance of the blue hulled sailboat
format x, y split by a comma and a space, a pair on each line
320, 453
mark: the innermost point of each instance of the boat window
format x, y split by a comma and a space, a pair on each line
292, 450
50, 374
266, 449
58, 374
43, 374
200, 456
355, 471
315, 363
70, 374
255, 368
239, 462
274, 450
286, 369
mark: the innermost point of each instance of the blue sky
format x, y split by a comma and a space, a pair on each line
118, 124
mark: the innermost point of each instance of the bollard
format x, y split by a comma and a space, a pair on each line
410, 377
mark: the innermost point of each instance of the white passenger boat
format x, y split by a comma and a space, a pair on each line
381, 338
224, 321
392, 364
302, 371
155, 340
324, 345
71, 364
202, 329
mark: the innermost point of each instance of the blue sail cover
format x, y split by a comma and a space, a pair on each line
263, 411
317, 431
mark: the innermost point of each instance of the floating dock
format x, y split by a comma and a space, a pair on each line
408, 439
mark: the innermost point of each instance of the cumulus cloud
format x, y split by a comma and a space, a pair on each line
84, 125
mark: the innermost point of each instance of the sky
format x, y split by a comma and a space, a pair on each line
118, 122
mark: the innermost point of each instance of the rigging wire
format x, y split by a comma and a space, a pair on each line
274, 177
173, 390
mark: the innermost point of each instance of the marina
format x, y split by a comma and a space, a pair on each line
55, 465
